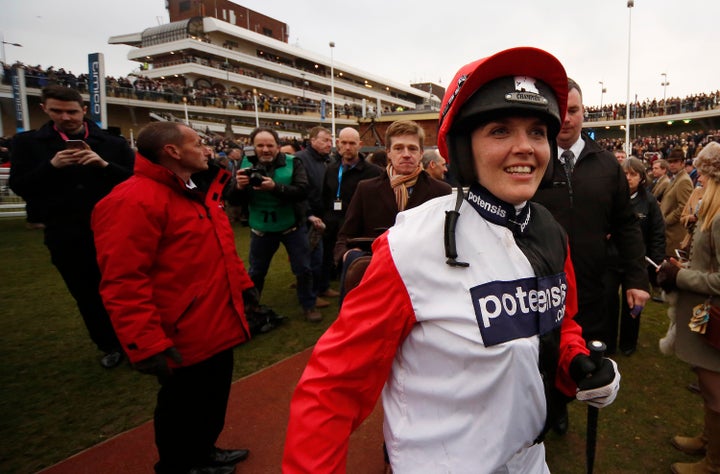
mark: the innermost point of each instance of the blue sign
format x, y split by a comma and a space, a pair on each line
19, 100
96, 89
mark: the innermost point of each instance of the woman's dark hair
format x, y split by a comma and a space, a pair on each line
638, 167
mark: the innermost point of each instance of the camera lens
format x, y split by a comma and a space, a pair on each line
256, 179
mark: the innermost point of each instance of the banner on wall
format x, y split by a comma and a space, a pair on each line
22, 120
96, 89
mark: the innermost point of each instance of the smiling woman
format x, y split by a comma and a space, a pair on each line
502, 99
484, 327
510, 156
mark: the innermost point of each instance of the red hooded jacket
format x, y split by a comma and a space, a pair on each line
171, 275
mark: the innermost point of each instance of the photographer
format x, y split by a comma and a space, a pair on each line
274, 186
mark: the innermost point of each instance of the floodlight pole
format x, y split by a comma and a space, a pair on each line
628, 147
257, 113
664, 83
332, 89
3, 43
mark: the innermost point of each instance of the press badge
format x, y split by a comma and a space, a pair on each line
337, 205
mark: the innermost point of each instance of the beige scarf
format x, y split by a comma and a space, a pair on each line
400, 184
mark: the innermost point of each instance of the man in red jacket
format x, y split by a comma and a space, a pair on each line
176, 291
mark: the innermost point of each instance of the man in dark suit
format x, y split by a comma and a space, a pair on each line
585, 189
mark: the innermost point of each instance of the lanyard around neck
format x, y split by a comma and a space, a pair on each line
66, 138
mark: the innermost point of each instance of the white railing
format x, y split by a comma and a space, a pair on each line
11, 205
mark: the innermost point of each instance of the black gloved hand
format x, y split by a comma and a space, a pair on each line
157, 364
597, 386
581, 367
251, 299
667, 276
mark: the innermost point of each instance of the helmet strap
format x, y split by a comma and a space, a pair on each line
451, 218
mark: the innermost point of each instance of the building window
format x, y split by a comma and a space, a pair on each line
267, 32
184, 6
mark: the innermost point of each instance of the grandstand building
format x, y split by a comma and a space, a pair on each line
239, 58
224, 68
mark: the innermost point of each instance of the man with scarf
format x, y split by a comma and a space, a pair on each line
377, 201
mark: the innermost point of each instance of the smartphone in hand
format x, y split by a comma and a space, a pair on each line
681, 255
75, 145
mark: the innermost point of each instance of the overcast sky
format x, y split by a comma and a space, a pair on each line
419, 41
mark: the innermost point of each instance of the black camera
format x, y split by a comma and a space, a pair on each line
256, 175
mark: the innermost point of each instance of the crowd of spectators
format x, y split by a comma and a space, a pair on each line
204, 93
223, 144
176, 89
648, 147
654, 107
37, 77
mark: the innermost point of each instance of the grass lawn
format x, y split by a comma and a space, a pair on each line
56, 400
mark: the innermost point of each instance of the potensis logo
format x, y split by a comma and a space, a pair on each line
507, 310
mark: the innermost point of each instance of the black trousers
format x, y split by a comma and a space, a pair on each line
629, 327
76, 261
190, 413
328, 259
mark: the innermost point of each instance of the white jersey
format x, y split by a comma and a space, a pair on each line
456, 349
443, 372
